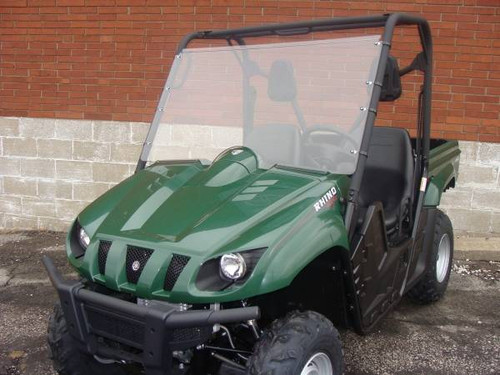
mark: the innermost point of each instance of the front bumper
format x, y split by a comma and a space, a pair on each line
151, 333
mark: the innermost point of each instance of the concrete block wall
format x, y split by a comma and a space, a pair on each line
50, 169
474, 204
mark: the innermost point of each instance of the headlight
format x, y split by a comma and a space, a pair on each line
219, 273
233, 266
83, 238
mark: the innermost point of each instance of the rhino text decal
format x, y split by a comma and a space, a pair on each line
326, 200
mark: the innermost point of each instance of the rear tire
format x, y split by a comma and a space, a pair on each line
67, 358
433, 284
301, 343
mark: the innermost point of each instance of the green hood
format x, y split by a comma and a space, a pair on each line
181, 208
200, 212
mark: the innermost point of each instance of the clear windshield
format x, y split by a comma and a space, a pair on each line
299, 104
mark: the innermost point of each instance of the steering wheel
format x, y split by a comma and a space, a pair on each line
328, 155
328, 129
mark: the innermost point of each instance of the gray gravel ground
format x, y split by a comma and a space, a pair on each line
458, 335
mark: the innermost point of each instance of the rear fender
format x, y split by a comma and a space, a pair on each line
443, 169
437, 185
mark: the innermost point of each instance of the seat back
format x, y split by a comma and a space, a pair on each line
388, 175
278, 143
275, 143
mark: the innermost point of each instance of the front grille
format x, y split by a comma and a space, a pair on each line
174, 270
118, 328
136, 261
102, 255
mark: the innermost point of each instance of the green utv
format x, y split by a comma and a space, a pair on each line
266, 208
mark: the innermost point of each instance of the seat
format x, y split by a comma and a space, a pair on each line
279, 143
388, 176
275, 143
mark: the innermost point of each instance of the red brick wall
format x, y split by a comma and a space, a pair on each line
107, 59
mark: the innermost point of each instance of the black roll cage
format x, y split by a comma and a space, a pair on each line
389, 22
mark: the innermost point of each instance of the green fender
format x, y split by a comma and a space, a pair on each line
311, 235
437, 185
307, 241
443, 168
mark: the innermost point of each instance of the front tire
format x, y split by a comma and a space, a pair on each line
301, 343
433, 284
67, 358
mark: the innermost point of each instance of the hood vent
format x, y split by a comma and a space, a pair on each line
137, 258
102, 255
174, 270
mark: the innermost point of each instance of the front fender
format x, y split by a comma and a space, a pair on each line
306, 241
311, 234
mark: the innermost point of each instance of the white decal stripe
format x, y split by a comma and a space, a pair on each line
147, 209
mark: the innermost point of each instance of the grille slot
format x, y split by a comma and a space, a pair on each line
189, 334
102, 255
136, 261
118, 328
184, 338
174, 270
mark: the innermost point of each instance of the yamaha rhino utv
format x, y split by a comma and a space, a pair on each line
266, 209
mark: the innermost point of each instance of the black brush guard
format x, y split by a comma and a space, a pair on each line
152, 333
